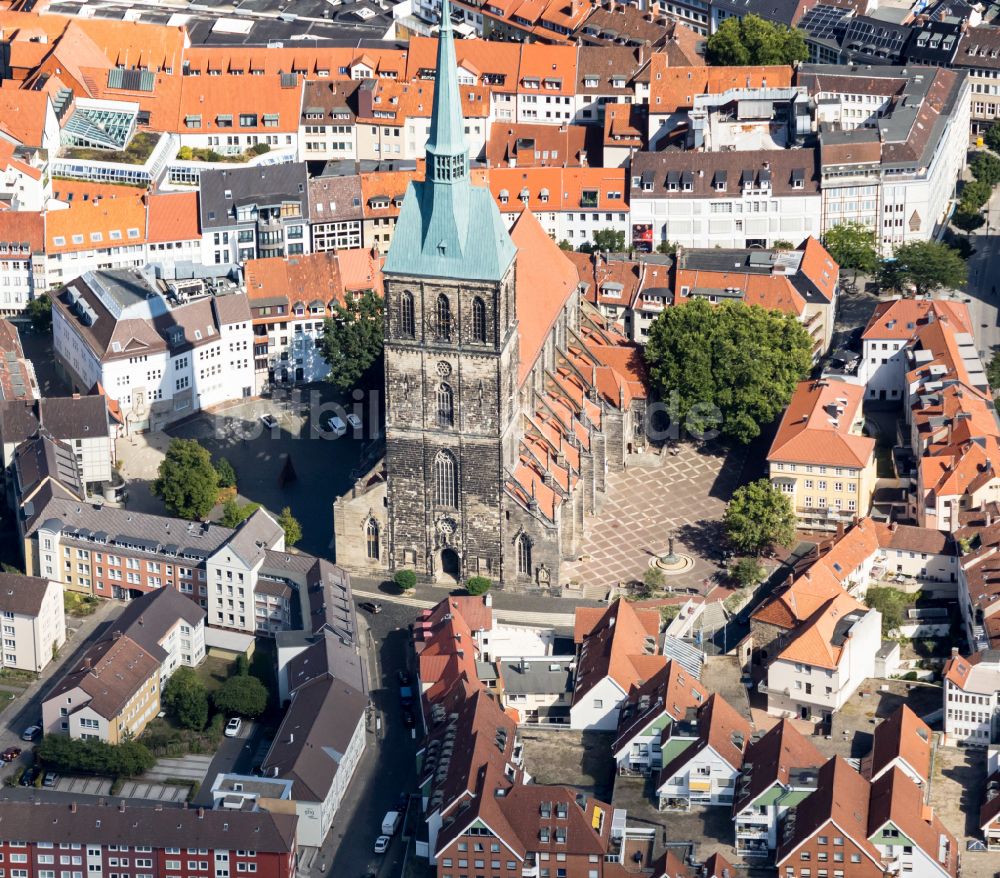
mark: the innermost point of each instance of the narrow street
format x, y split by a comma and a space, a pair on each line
984, 276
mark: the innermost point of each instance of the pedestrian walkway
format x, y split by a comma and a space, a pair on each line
520, 617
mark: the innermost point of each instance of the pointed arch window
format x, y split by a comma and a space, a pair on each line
478, 320
445, 480
445, 406
406, 314
523, 555
371, 539
444, 318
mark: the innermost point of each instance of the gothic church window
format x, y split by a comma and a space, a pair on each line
371, 539
444, 318
445, 406
523, 555
406, 314
445, 481
478, 320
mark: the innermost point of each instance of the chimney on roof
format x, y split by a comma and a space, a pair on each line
840, 529
894, 526
954, 652
291, 737
201, 813
72, 807
121, 806
76, 396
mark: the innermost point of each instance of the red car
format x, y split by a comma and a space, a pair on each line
10, 754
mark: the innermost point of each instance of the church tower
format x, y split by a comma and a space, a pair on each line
451, 356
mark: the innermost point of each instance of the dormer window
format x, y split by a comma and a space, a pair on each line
504, 196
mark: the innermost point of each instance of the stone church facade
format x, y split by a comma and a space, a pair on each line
508, 400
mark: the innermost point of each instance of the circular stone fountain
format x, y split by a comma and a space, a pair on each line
672, 563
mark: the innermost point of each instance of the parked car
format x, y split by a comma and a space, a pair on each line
233, 727
32, 733
373, 607
382, 844
331, 423
50, 779
409, 720
30, 776
403, 803
10, 754
354, 421
403, 676
269, 421
405, 696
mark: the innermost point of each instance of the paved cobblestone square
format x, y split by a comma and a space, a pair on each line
684, 493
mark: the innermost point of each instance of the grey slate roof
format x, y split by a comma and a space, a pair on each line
22, 594
159, 827
314, 735
254, 537
43, 457
265, 186
328, 655
148, 618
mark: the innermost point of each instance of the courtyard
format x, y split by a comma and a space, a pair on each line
683, 495
578, 759
290, 464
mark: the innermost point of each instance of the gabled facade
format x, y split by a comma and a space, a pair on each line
702, 755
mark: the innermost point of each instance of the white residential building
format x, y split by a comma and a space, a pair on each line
160, 359
33, 622
972, 699
827, 659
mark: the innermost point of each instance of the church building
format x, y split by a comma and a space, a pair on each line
509, 399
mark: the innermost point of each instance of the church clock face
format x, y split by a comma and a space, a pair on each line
444, 369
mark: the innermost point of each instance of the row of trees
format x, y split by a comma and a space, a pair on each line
985, 167
63, 753
755, 41
920, 266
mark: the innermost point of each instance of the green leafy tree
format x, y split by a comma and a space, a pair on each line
852, 247
992, 137
759, 516
405, 579
241, 696
667, 248
185, 696
929, 266
187, 482
92, 756
290, 525
39, 312
892, 604
985, 167
233, 514
478, 585
606, 239
976, 193
242, 665
352, 338
748, 572
782, 244
653, 578
227, 475
752, 40
967, 219
731, 365
993, 372
565, 245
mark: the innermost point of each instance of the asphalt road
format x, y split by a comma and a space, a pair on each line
235, 755
984, 278
388, 766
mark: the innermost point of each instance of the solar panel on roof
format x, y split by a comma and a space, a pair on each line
131, 80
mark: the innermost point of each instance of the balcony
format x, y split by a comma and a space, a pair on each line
751, 832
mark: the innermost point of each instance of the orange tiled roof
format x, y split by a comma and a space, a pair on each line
98, 216
173, 216
813, 642
204, 99
807, 433
674, 88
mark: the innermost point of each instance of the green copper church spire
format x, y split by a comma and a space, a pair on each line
447, 154
448, 228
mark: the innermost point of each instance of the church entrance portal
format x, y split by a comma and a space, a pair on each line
450, 566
